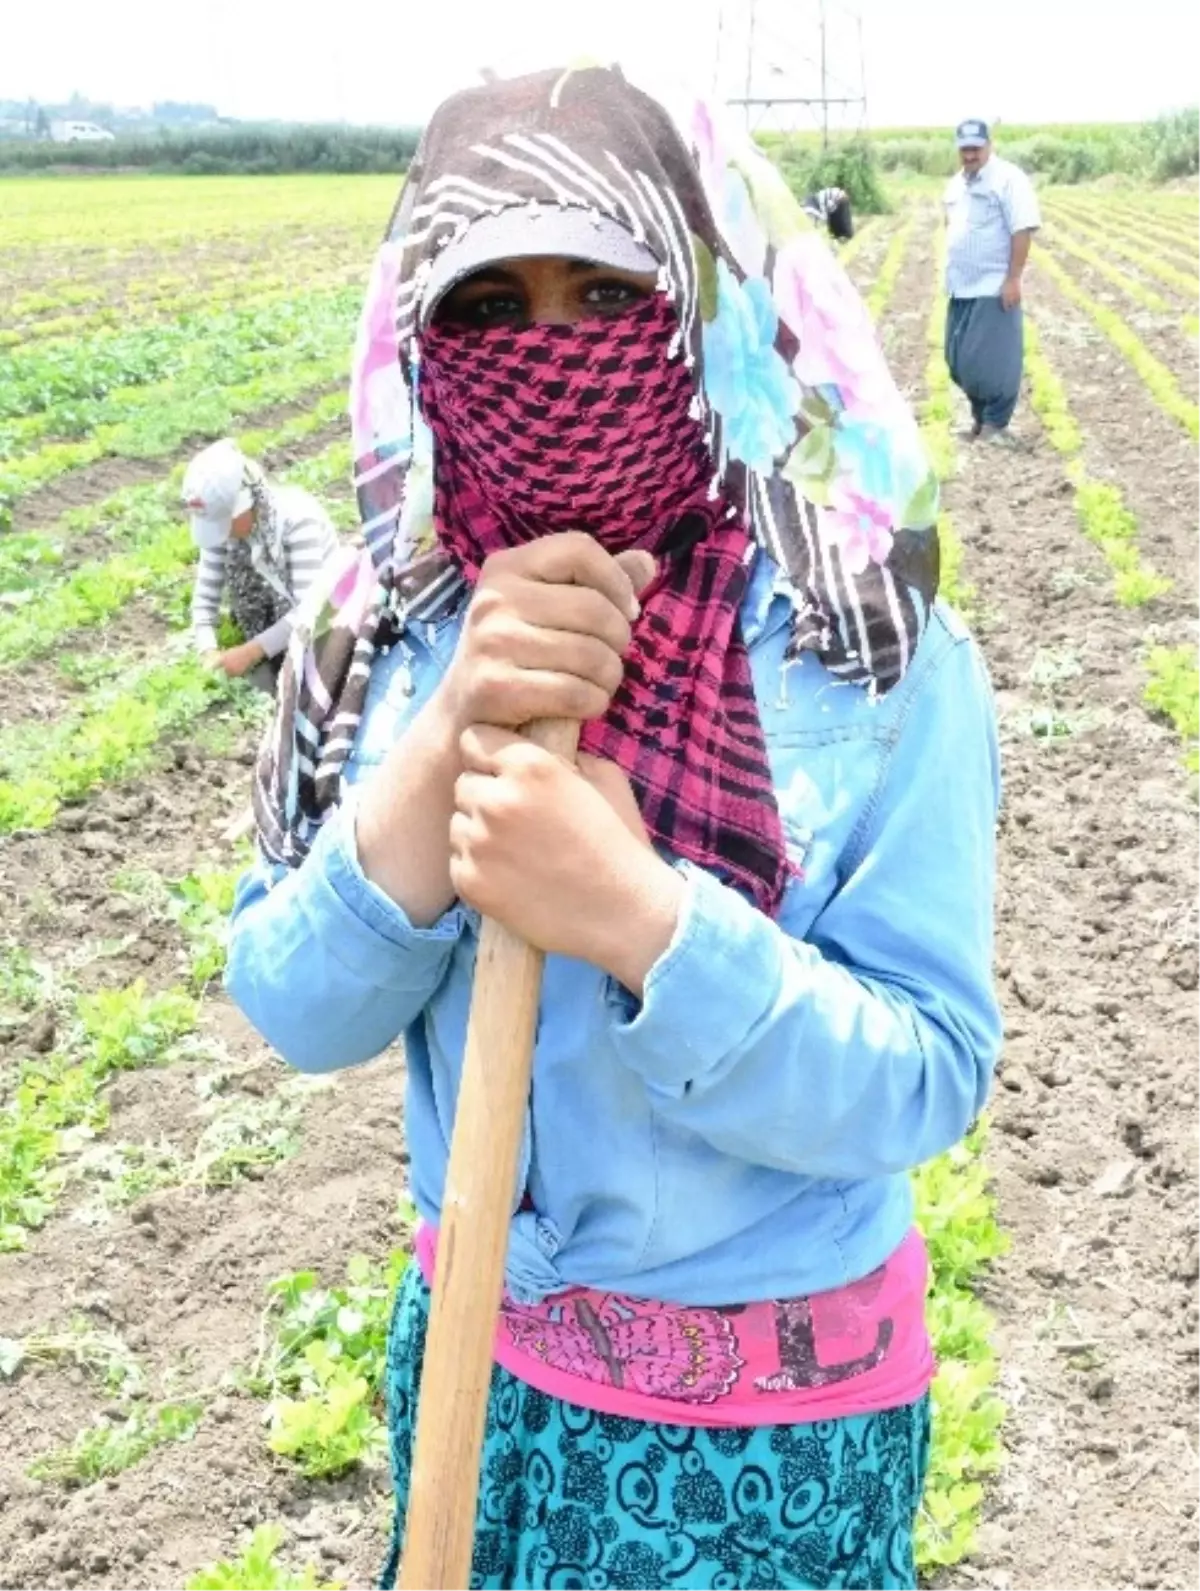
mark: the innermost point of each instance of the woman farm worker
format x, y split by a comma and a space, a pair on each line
627, 451
263, 543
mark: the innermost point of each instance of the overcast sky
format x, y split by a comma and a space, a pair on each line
926, 61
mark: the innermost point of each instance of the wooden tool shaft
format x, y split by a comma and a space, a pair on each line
480, 1195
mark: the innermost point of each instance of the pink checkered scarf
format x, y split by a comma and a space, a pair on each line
587, 427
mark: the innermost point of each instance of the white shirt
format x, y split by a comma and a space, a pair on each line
982, 213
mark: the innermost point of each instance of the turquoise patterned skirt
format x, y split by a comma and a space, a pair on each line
569, 1497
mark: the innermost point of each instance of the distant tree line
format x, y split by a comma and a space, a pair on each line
246, 148
1155, 151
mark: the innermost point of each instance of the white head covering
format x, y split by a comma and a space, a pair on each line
216, 489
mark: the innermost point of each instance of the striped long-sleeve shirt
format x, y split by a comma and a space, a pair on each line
308, 538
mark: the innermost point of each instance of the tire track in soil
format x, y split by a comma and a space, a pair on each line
1128, 439
1093, 1149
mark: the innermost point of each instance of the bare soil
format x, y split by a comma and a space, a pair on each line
1094, 1120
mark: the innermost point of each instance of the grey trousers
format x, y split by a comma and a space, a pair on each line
985, 345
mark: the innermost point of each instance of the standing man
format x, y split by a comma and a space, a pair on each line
991, 216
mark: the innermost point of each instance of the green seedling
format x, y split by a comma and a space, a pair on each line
105, 1449
257, 1568
321, 1364
101, 1354
956, 1212
1173, 690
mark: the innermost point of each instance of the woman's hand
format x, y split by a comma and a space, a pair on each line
238, 660
542, 638
560, 855
545, 633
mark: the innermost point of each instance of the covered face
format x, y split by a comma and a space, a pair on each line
737, 401
215, 492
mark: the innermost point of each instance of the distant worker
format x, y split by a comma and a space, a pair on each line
991, 216
831, 206
262, 543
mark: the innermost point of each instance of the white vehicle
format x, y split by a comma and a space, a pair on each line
80, 133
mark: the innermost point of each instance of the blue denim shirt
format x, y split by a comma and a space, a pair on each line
744, 1132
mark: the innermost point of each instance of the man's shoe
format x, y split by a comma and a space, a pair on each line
1000, 436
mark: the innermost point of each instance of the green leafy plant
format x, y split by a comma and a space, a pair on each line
1173, 690
201, 902
956, 1212
257, 1568
332, 1428
22, 984
107, 1449
129, 1027
1103, 515
56, 1106
321, 1364
888, 274
246, 1137
124, 1172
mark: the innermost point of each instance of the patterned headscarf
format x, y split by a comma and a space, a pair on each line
807, 434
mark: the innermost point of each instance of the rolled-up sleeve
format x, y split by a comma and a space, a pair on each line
867, 1046
324, 964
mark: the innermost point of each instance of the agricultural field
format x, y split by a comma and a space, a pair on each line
197, 1247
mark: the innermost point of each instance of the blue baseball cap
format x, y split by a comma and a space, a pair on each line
972, 135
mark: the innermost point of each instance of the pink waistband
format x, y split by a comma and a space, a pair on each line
855, 1349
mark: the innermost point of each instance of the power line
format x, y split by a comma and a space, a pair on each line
766, 48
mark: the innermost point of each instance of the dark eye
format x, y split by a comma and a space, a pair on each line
484, 307
612, 294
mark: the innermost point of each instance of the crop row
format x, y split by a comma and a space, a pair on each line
36, 380
1147, 260
1104, 517
937, 420
1173, 232
864, 233
23, 555
205, 272
884, 285
122, 214
156, 552
1169, 239
114, 733
1089, 256
240, 288
1158, 380
163, 430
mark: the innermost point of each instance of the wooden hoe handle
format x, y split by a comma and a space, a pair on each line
479, 1199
